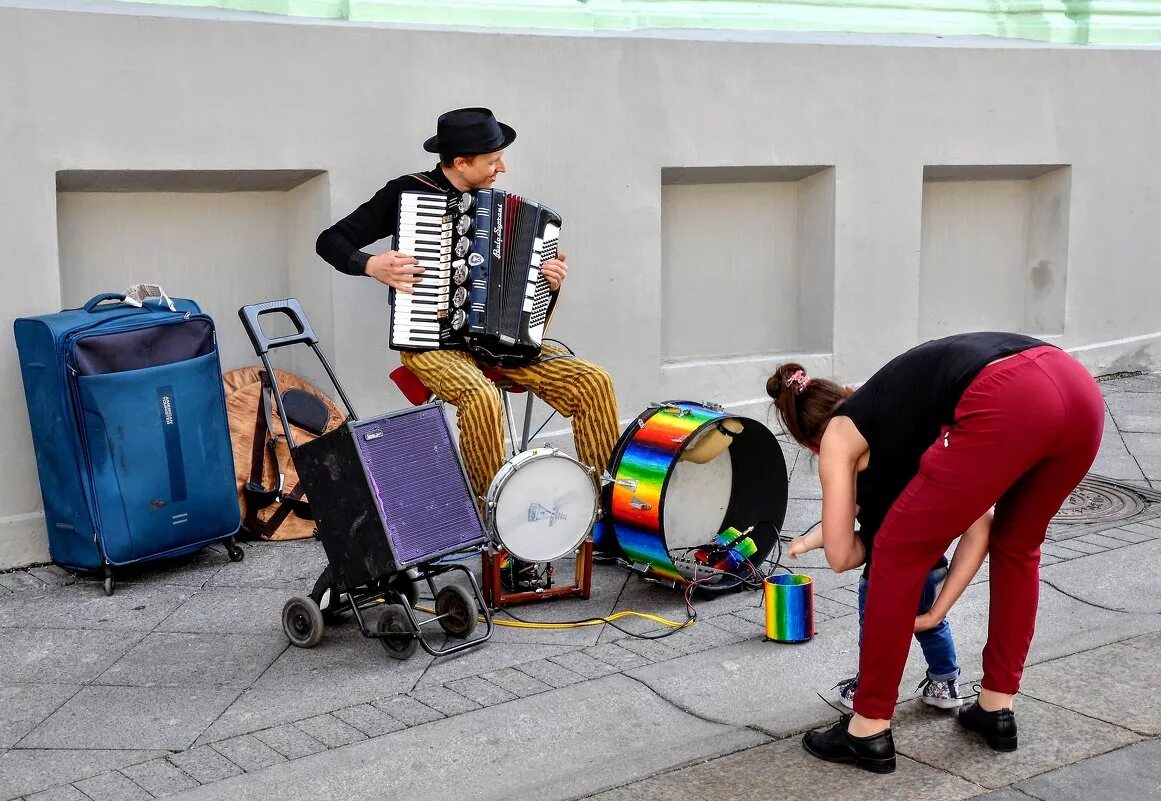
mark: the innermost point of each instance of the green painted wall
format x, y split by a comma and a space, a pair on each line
1132, 22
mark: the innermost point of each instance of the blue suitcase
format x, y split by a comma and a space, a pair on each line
129, 425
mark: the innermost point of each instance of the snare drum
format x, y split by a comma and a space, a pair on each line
541, 505
675, 489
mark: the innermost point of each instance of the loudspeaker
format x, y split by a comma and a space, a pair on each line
387, 493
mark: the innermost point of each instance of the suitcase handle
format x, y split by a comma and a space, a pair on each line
291, 308
97, 300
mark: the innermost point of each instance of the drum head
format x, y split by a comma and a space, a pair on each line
543, 506
696, 500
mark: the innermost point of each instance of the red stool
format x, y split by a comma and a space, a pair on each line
418, 393
494, 556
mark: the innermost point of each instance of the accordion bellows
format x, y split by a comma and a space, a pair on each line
481, 289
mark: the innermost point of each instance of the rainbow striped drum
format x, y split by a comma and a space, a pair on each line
789, 599
674, 489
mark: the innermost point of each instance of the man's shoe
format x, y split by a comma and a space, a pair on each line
943, 694
875, 753
998, 728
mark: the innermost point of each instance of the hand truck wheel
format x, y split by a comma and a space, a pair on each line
401, 639
457, 612
302, 621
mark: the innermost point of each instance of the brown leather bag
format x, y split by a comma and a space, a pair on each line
269, 494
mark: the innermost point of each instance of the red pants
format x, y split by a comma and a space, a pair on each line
1026, 431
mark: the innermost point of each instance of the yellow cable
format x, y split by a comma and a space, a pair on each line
517, 624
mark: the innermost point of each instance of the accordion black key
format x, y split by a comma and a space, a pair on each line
481, 289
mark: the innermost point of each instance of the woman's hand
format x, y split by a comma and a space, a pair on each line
807, 542
928, 620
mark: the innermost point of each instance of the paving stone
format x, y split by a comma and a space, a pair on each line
614, 730
112, 786
584, 665
53, 575
24, 706
1061, 552
369, 720
248, 752
408, 710
483, 692
1130, 774
550, 673
60, 656
783, 770
477, 661
1125, 694
1126, 578
735, 625
195, 660
205, 765
1146, 449
447, 702
614, 655
653, 650
1079, 544
132, 717
1101, 541
1007, 794
330, 731
290, 741
191, 570
26, 771
519, 684
291, 566
83, 606
1148, 529
160, 777
230, 610
1135, 411
1049, 738
21, 581
1048, 559
65, 793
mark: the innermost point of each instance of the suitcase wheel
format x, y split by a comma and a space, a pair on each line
109, 583
235, 551
302, 621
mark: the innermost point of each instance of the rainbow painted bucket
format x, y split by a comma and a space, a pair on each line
789, 601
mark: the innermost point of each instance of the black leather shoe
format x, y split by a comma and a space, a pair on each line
998, 728
875, 753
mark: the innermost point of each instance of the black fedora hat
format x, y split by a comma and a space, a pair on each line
469, 132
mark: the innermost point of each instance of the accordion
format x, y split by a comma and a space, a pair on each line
481, 289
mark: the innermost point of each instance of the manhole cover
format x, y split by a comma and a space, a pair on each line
1097, 501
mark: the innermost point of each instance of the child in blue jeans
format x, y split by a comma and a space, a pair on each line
932, 630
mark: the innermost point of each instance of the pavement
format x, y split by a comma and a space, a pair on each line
183, 685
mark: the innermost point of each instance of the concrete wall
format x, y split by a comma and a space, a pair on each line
727, 204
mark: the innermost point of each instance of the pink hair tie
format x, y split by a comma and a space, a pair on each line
799, 382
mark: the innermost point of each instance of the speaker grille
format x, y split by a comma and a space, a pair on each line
416, 478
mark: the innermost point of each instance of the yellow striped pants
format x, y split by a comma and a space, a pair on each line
574, 387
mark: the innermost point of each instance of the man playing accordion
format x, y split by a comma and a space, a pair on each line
470, 143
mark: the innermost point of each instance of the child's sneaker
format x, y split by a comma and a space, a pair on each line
846, 691
943, 694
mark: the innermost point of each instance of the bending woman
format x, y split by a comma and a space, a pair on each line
919, 452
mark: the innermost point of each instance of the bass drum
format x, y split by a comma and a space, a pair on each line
541, 505
683, 472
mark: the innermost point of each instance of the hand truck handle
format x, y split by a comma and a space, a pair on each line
292, 309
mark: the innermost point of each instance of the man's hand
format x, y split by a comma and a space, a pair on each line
927, 620
554, 271
397, 270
